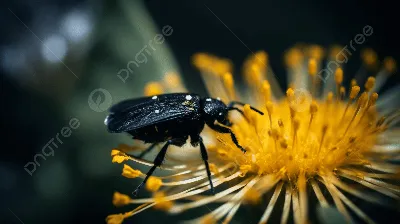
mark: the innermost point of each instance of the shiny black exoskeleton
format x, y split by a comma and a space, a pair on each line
172, 118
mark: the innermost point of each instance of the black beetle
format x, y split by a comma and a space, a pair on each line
172, 118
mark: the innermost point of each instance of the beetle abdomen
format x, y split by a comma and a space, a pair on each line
164, 131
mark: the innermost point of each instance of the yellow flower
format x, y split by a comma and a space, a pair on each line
318, 135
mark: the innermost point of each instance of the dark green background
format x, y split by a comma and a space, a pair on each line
29, 117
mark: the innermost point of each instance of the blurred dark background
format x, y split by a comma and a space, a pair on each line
54, 54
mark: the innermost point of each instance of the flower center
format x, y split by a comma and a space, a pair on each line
322, 137
298, 134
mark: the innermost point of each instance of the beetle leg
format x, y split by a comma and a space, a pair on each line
227, 123
204, 156
232, 103
146, 151
222, 129
157, 162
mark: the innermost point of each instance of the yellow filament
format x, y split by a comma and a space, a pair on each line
362, 100
371, 102
312, 67
389, 64
172, 81
153, 88
353, 94
353, 82
369, 84
293, 57
324, 129
313, 111
342, 92
369, 57
266, 90
315, 51
338, 80
312, 70
269, 107
229, 85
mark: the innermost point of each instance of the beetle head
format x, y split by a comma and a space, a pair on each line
215, 109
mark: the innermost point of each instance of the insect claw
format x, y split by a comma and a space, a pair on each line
228, 123
135, 192
212, 190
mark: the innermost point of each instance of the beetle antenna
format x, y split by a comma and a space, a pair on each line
256, 110
231, 104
